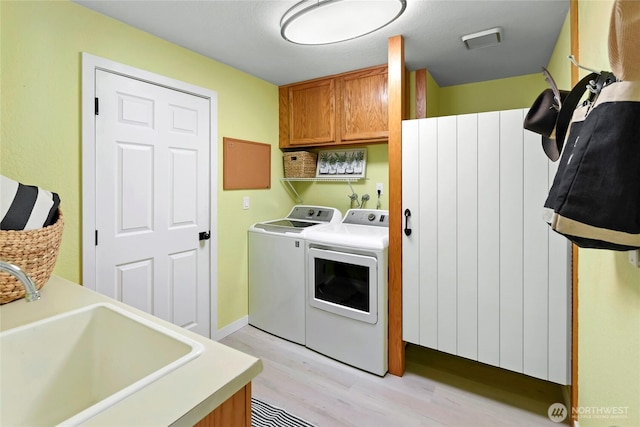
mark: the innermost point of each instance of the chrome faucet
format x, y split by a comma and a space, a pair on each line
32, 292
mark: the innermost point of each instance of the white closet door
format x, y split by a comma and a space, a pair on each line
467, 236
491, 278
489, 238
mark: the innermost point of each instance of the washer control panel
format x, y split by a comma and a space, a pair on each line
372, 217
313, 213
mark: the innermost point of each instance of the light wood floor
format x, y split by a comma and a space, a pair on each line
436, 390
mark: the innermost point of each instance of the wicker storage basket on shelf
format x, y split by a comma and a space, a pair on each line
300, 164
34, 251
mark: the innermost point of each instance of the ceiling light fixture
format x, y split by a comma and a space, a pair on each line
484, 38
314, 22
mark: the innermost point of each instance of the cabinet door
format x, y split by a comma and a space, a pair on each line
363, 105
312, 113
233, 412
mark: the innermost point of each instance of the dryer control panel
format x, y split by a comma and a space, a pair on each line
371, 217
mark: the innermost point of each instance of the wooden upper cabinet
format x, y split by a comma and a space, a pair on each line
312, 112
346, 108
363, 108
312, 118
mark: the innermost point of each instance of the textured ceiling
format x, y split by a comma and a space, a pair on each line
245, 34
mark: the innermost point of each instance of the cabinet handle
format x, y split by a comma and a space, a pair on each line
407, 214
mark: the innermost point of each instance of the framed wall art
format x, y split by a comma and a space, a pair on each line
346, 163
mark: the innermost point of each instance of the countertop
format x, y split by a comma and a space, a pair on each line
182, 397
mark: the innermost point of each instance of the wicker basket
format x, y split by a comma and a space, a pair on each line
34, 251
300, 164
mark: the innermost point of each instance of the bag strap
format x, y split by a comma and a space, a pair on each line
569, 104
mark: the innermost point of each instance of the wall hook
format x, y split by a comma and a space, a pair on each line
574, 62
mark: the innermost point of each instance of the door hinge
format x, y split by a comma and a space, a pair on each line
96, 237
97, 109
204, 235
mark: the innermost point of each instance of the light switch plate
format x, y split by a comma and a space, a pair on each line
245, 202
634, 258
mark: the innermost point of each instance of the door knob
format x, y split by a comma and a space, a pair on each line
407, 214
204, 235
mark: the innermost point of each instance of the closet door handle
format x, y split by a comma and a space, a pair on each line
407, 214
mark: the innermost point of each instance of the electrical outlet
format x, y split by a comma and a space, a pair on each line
379, 187
245, 202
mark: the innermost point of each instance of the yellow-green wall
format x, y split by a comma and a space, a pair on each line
559, 66
492, 95
41, 45
502, 94
433, 97
608, 286
336, 194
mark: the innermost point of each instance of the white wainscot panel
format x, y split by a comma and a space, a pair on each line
410, 244
489, 238
428, 218
447, 235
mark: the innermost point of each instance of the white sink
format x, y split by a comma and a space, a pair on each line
66, 369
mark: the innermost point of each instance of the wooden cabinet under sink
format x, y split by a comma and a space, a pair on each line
348, 108
234, 412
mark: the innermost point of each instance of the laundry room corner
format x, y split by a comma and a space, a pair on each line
336, 194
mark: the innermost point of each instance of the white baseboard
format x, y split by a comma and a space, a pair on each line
230, 328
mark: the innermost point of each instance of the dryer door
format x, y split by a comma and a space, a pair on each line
343, 283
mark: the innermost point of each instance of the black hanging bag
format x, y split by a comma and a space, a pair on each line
595, 197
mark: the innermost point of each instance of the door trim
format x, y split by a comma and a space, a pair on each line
91, 63
397, 113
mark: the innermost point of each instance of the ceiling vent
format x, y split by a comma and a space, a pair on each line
484, 38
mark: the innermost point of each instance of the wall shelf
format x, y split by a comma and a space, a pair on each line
340, 179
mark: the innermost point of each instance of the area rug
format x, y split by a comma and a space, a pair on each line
265, 415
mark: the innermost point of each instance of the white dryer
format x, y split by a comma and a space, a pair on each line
347, 288
277, 270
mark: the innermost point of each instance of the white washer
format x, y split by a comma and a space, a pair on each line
277, 270
347, 288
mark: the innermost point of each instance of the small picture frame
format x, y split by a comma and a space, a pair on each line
346, 163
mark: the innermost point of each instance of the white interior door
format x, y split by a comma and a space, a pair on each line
152, 199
